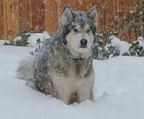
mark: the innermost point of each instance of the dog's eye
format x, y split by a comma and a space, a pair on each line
88, 30
75, 30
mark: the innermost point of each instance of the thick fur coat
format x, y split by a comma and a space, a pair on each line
63, 65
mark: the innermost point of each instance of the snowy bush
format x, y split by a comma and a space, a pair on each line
137, 47
115, 47
31, 39
36, 39
23, 37
22, 40
121, 46
5, 42
100, 52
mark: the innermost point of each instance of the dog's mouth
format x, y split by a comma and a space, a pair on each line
83, 46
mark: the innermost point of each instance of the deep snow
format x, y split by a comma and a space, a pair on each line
119, 91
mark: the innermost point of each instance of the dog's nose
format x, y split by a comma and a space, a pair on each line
83, 43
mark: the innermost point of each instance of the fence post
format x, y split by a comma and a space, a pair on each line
25, 14
1, 19
11, 18
5, 19
51, 16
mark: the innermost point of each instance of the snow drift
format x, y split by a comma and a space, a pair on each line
119, 91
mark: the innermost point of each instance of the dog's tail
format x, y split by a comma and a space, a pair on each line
24, 70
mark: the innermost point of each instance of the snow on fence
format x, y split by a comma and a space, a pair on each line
44, 15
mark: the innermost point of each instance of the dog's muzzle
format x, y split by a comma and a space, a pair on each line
83, 43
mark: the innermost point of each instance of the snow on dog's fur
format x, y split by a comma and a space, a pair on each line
63, 65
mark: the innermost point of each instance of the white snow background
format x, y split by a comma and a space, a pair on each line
118, 91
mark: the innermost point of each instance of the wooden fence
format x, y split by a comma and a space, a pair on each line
44, 15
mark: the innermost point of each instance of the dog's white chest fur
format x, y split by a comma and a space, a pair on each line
66, 86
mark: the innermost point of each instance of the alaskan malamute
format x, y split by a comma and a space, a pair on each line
63, 65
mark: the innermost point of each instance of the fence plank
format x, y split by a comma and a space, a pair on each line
38, 14
25, 13
12, 18
5, 19
51, 16
1, 19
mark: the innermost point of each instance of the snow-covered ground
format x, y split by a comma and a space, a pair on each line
119, 91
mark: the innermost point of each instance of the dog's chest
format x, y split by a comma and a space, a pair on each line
73, 69
70, 75
69, 83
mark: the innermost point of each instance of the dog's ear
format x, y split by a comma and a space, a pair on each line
67, 15
93, 14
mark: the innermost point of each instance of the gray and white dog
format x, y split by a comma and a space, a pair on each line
63, 65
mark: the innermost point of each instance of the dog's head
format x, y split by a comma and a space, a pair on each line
80, 30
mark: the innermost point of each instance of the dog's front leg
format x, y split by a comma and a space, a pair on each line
85, 92
64, 96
